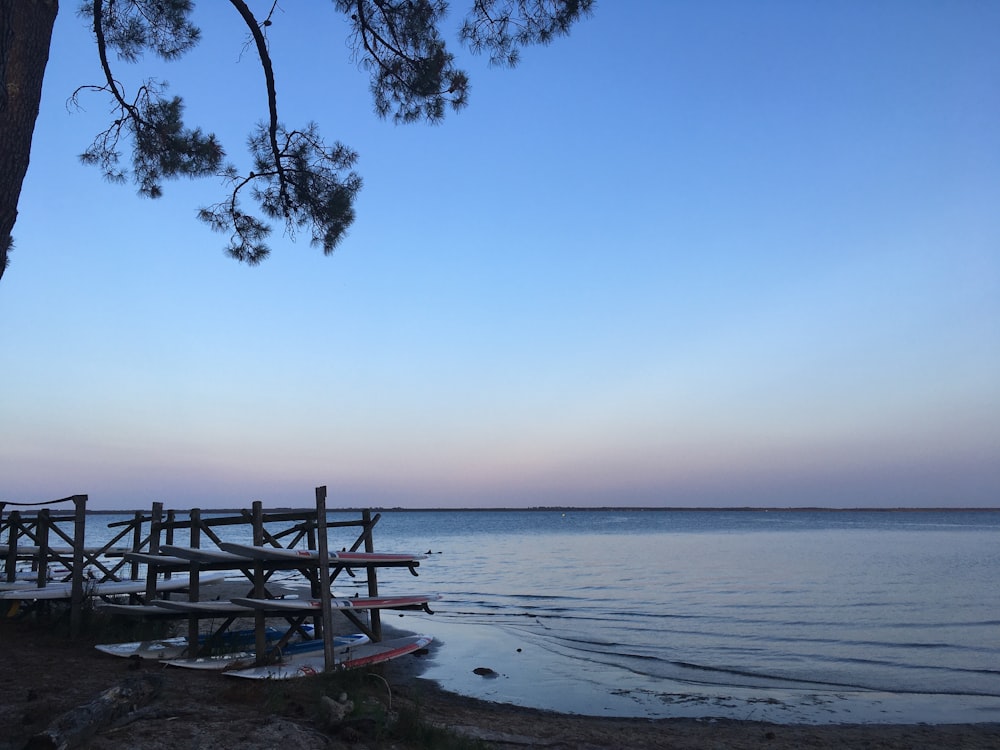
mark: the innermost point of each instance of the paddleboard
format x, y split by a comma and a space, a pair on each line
342, 645
24, 583
308, 663
357, 602
10, 585
347, 559
152, 558
205, 555
174, 648
31, 576
213, 608
64, 590
67, 551
135, 610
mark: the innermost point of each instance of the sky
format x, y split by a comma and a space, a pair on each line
693, 254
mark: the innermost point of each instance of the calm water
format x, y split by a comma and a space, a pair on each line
783, 616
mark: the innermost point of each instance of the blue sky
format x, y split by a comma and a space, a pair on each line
717, 253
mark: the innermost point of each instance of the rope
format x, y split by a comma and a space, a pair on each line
43, 502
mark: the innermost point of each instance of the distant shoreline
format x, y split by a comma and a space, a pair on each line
598, 509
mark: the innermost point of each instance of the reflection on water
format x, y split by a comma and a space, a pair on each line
790, 616
777, 604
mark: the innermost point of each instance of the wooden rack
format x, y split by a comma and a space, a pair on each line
29, 540
147, 533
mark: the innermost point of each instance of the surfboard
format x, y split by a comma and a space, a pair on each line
197, 554
174, 648
29, 578
136, 610
17, 585
64, 590
152, 558
342, 645
308, 663
34, 550
357, 602
23, 584
218, 607
347, 559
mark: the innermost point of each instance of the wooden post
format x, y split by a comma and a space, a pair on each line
312, 544
156, 521
10, 564
259, 620
374, 614
324, 579
194, 587
13, 532
9, 569
171, 517
169, 534
136, 543
44, 553
79, 540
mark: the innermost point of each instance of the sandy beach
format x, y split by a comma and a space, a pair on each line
46, 675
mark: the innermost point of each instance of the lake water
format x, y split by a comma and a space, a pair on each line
785, 616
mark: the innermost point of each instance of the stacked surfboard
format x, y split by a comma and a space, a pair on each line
305, 663
294, 658
64, 589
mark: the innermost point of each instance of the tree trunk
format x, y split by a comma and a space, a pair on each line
25, 36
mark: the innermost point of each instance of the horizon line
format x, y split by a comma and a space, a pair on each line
585, 508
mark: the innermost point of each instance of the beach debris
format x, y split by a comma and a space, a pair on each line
490, 735
78, 725
484, 672
335, 711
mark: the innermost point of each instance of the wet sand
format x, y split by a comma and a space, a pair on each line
527, 675
46, 674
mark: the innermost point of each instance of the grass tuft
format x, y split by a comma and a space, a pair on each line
411, 728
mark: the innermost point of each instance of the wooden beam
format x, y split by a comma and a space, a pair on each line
329, 660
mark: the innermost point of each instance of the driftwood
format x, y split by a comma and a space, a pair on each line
78, 725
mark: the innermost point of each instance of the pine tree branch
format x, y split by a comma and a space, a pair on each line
162, 146
102, 51
272, 95
294, 176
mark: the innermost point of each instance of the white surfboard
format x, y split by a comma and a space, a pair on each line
135, 610
64, 590
405, 601
30, 577
23, 584
342, 644
308, 663
205, 555
33, 551
174, 648
214, 608
347, 559
151, 558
